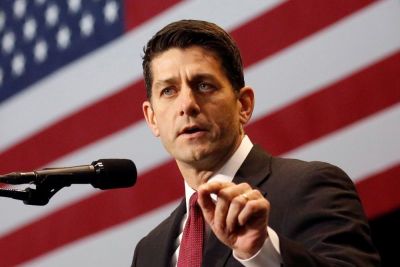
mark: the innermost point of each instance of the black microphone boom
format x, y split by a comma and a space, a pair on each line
103, 174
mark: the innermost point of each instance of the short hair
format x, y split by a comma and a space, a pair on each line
187, 33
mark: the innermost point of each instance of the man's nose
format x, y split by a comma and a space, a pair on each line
188, 102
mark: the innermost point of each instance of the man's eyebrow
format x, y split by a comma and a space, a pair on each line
161, 83
202, 76
194, 79
199, 76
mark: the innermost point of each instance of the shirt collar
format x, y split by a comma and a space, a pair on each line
229, 169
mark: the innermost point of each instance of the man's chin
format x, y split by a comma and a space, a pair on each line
193, 155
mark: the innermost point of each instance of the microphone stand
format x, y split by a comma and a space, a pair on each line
46, 187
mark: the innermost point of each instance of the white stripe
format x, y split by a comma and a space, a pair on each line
364, 148
107, 70
113, 247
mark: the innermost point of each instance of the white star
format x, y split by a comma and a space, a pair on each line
63, 37
8, 42
51, 15
40, 51
111, 11
2, 20
74, 5
18, 64
40, 2
86, 24
29, 29
19, 8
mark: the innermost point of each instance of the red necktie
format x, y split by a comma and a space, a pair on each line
191, 248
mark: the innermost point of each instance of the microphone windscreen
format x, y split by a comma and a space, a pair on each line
116, 173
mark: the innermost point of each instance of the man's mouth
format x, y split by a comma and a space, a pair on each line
191, 130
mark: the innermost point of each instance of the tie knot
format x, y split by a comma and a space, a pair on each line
193, 200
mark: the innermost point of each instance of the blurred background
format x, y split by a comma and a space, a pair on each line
327, 81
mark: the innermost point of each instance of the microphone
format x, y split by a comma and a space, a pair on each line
103, 174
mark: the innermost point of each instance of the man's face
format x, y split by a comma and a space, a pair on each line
194, 109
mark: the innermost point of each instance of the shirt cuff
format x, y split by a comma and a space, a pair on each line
269, 255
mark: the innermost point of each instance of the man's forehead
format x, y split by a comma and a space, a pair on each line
192, 53
194, 61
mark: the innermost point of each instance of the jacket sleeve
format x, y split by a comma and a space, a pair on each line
322, 222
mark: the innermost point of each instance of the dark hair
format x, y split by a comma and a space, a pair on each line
186, 33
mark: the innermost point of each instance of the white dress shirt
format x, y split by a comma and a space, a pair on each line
269, 254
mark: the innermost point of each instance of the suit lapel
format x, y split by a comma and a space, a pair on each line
255, 168
166, 240
254, 171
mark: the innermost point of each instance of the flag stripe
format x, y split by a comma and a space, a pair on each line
379, 193
14, 159
137, 12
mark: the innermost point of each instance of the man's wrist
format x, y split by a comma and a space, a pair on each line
267, 255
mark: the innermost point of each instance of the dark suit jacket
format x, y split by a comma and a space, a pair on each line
315, 211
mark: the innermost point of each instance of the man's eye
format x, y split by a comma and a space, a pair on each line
205, 87
167, 91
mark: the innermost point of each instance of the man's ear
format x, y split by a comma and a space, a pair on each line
246, 100
150, 118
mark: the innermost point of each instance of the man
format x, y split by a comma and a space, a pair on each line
258, 210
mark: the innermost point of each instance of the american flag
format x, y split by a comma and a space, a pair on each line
326, 76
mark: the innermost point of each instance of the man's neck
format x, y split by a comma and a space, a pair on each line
195, 178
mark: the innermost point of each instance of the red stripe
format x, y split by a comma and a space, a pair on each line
137, 11
122, 109
289, 23
92, 215
282, 130
379, 193
331, 108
